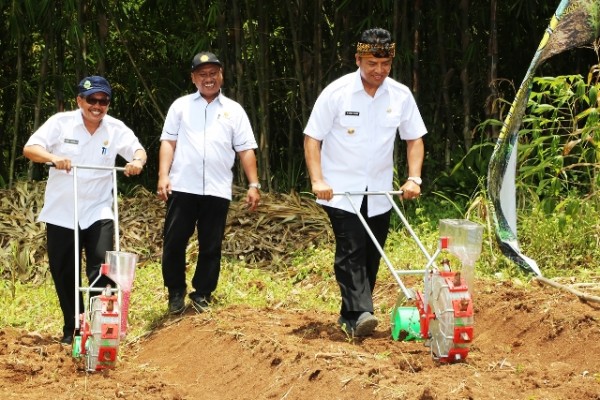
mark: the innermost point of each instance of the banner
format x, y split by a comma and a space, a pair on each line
574, 23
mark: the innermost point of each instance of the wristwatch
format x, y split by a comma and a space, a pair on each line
254, 185
415, 179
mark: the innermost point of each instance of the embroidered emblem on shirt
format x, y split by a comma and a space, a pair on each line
350, 131
72, 141
353, 113
104, 148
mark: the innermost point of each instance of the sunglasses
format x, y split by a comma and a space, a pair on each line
92, 101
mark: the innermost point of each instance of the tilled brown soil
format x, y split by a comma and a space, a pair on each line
530, 343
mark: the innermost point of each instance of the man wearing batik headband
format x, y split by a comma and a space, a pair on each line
349, 147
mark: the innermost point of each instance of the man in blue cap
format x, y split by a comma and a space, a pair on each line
86, 136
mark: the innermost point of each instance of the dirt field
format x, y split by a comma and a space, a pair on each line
536, 343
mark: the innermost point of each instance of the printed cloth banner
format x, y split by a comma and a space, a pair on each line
574, 23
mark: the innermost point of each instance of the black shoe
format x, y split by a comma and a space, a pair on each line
365, 324
67, 339
176, 303
201, 303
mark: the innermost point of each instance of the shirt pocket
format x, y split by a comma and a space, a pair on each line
351, 127
107, 156
69, 148
391, 120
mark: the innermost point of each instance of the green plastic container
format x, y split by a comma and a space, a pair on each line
405, 323
76, 349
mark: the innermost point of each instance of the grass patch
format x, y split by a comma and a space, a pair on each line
564, 245
306, 284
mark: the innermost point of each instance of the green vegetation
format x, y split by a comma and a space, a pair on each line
307, 282
459, 61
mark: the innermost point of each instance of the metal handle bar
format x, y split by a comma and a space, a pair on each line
83, 166
388, 195
376, 193
74, 168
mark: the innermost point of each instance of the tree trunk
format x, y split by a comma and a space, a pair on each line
298, 97
82, 53
33, 171
59, 64
264, 91
18, 104
261, 63
444, 117
416, 48
491, 110
318, 45
102, 37
237, 49
239, 75
464, 74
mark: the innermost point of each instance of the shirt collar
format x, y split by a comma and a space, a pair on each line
198, 96
358, 85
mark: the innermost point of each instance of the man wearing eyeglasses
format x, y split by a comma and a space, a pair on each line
86, 136
349, 146
201, 137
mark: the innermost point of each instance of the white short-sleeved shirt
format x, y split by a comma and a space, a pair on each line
358, 133
208, 136
64, 134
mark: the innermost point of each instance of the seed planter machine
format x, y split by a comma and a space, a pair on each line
102, 324
441, 314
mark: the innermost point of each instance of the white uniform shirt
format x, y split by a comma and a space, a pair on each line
357, 133
208, 137
65, 134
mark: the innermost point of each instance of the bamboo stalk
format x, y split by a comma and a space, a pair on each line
582, 296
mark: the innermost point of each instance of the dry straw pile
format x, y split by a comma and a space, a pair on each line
267, 238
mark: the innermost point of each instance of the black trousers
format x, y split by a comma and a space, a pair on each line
185, 213
96, 241
356, 258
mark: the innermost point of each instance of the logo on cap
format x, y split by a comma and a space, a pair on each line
87, 85
204, 58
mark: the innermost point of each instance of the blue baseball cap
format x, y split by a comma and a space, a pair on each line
94, 84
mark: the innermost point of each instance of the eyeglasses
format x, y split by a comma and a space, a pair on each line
92, 101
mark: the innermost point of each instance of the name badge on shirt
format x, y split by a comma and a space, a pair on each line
72, 141
353, 113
